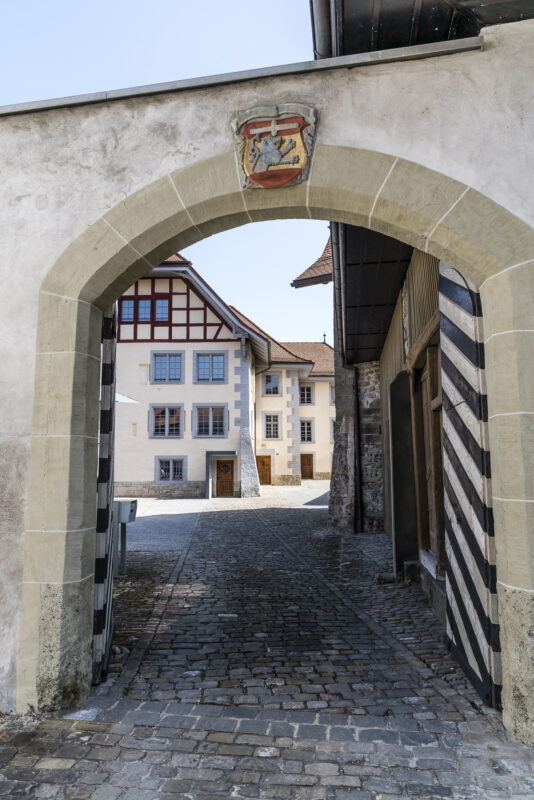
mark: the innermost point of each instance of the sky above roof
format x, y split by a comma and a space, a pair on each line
68, 47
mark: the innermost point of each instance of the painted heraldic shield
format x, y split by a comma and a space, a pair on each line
275, 144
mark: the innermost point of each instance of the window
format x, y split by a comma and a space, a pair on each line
143, 310
166, 421
127, 310
210, 367
306, 430
332, 430
170, 469
210, 420
162, 310
306, 397
271, 426
167, 367
332, 393
271, 384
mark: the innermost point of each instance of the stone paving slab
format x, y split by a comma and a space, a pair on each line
275, 666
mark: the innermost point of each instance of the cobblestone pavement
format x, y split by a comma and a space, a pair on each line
270, 663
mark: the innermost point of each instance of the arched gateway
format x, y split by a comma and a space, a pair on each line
96, 194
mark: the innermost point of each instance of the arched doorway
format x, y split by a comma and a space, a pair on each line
490, 246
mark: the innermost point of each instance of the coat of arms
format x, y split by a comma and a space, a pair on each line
275, 144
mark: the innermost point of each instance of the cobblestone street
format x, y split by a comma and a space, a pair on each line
259, 654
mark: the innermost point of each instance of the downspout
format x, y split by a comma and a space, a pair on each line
336, 26
321, 29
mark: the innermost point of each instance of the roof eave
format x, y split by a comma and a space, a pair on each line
259, 344
299, 284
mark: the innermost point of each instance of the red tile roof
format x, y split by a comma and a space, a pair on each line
320, 353
319, 272
176, 258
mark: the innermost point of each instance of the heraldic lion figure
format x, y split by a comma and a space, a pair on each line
271, 153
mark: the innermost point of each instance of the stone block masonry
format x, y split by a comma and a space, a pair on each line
255, 675
371, 446
196, 489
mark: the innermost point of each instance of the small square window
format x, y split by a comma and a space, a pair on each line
306, 395
203, 421
211, 420
127, 310
210, 367
170, 470
203, 364
166, 421
160, 368
173, 421
175, 367
143, 311
162, 310
217, 368
271, 426
217, 426
306, 431
164, 470
159, 428
166, 368
271, 384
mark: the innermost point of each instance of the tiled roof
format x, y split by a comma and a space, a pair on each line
319, 272
280, 353
176, 258
320, 353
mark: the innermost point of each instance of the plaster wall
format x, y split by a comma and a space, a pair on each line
135, 450
322, 414
281, 449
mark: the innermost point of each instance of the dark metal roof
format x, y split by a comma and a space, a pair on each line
375, 268
365, 25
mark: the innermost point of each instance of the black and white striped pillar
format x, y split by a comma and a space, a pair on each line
472, 612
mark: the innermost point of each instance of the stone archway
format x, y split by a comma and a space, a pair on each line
400, 198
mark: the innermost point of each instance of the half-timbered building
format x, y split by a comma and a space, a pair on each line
208, 404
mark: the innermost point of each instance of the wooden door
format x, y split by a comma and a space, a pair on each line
225, 478
306, 465
264, 469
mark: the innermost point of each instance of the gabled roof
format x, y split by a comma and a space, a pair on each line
280, 353
320, 353
320, 271
176, 258
179, 267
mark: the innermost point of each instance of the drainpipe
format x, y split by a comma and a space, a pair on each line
321, 29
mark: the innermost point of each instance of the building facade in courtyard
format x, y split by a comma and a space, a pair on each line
207, 403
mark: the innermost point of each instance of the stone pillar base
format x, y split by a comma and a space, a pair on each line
341, 505
250, 482
516, 613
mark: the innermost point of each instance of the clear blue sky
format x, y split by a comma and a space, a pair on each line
57, 48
